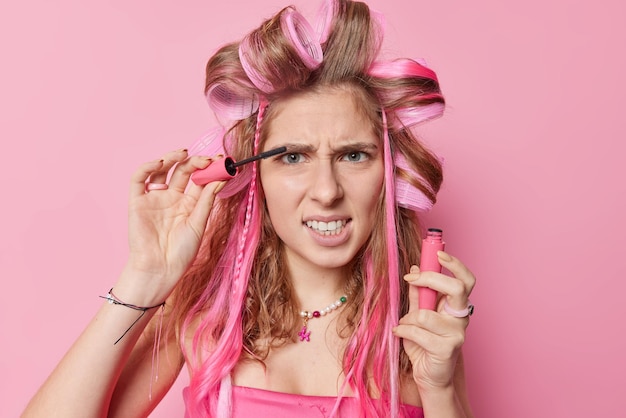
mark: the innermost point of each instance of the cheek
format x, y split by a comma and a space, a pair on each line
369, 197
282, 194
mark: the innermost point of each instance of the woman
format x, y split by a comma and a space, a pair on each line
290, 287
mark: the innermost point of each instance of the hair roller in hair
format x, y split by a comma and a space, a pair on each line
324, 20
302, 37
404, 68
211, 143
401, 68
298, 34
411, 116
229, 105
407, 195
379, 25
245, 56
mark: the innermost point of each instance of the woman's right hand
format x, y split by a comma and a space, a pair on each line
165, 225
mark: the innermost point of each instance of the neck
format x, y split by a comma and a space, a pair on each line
315, 288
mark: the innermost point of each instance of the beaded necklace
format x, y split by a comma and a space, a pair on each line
306, 315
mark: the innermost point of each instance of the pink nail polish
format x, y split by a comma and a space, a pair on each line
429, 262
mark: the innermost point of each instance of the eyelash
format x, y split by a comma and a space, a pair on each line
285, 158
365, 156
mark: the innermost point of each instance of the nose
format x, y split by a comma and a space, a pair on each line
325, 186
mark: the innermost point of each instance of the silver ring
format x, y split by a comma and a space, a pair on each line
468, 311
156, 186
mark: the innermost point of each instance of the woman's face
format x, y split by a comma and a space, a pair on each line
323, 193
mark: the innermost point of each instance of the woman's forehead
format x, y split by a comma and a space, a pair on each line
332, 112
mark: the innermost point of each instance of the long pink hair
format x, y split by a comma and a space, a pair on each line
235, 289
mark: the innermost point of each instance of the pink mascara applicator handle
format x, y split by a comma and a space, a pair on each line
430, 262
226, 169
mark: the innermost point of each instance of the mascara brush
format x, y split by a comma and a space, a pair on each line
226, 169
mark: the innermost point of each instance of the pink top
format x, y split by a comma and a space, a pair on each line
252, 402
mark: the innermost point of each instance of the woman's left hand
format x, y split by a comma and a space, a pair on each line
433, 339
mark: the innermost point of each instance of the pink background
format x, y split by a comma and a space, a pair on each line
534, 197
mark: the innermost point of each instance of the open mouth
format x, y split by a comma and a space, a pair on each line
327, 228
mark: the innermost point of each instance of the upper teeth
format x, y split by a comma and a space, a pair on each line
326, 226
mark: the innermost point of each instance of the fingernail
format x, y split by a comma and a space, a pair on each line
219, 187
444, 256
182, 150
414, 269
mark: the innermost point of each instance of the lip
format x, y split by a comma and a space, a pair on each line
330, 240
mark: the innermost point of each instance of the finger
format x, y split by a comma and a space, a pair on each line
443, 344
200, 214
458, 269
434, 322
180, 177
413, 291
169, 160
141, 175
452, 287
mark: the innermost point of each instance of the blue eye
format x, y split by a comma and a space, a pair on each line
355, 156
291, 158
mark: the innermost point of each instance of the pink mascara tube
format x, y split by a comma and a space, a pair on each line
226, 169
430, 262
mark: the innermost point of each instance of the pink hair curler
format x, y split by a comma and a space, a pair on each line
302, 37
208, 144
407, 195
406, 68
401, 68
408, 117
229, 105
430, 262
245, 56
226, 169
324, 20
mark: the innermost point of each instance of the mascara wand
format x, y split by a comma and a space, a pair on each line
227, 169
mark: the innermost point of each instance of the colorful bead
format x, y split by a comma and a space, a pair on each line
304, 333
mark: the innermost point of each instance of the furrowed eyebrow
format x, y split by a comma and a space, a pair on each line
297, 148
356, 146
343, 148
